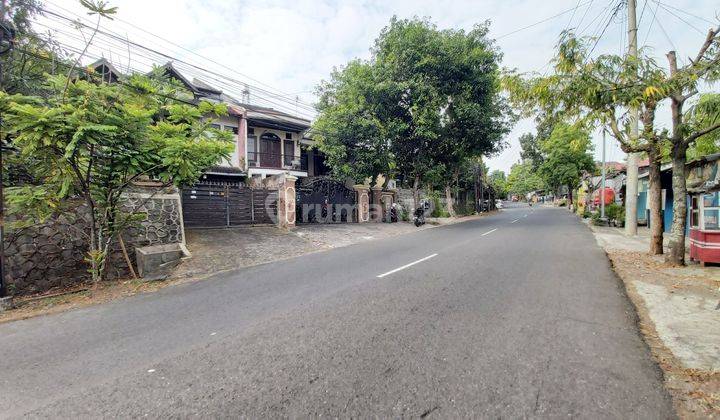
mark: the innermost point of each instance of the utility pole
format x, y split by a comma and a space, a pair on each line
631, 187
602, 182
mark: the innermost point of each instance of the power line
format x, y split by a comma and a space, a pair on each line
541, 21
126, 42
572, 16
177, 46
152, 62
687, 13
642, 12
166, 96
667, 37
119, 37
582, 19
612, 15
654, 17
681, 19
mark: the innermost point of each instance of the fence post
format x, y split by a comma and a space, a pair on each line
286, 202
362, 202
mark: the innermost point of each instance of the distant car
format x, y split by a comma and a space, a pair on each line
498, 204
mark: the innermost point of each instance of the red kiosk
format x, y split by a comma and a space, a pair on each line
705, 227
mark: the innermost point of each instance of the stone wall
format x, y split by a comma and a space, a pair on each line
51, 255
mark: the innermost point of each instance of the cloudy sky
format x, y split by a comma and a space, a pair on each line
283, 48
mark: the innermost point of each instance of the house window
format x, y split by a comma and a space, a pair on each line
711, 200
711, 211
288, 136
694, 213
251, 131
711, 219
216, 126
231, 128
289, 151
252, 150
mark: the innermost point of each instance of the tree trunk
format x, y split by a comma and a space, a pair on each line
449, 200
416, 193
655, 205
676, 254
570, 196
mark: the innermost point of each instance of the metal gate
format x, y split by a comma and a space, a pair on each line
324, 200
224, 204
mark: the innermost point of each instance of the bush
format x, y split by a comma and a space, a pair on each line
595, 219
614, 212
437, 209
562, 202
586, 213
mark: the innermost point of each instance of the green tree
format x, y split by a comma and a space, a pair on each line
523, 179
356, 122
704, 115
530, 149
596, 90
499, 182
568, 153
33, 55
92, 140
425, 102
450, 96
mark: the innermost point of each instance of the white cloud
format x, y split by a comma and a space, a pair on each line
292, 45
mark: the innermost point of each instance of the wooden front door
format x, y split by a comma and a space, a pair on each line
270, 156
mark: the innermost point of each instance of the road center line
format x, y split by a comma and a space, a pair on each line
514, 220
406, 266
489, 232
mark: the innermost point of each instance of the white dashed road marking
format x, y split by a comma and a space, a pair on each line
489, 232
406, 266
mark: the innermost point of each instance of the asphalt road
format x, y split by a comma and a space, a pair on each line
517, 315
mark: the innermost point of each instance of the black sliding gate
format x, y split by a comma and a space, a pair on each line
324, 200
224, 204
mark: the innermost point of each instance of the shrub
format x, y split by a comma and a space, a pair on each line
613, 211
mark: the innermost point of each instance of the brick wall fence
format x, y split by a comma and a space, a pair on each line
51, 255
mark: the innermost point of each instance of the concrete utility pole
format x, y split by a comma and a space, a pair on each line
602, 183
631, 188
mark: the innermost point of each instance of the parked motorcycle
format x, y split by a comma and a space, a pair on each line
394, 213
419, 216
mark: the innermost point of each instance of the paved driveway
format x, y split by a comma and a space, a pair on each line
216, 250
514, 315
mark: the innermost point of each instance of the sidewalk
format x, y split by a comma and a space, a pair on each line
679, 315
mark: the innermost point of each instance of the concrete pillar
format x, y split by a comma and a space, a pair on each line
387, 200
242, 142
286, 202
362, 198
376, 211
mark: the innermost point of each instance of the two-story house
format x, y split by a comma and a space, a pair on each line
267, 141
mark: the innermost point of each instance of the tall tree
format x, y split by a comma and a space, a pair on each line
425, 102
357, 122
530, 149
597, 90
681, 86
568, 153
499, 182
523, 179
